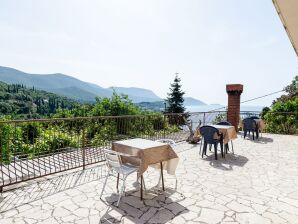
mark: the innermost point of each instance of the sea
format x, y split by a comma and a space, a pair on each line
210, 117
217, 107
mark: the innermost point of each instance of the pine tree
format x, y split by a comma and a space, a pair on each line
175, 97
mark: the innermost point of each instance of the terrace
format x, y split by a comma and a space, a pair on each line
257, 184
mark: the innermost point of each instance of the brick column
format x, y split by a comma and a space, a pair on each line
234, 91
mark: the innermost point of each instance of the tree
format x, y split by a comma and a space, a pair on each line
283, 116
291, 92
175, 97
115, 106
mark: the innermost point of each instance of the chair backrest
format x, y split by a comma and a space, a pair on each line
254, 117
249, 124
113, 159
224, 123
210, 134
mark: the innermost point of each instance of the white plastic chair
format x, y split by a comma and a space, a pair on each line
115, 165
166, 140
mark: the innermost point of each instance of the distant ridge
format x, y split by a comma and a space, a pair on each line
55, 83
76, 89
190, 101
139, 94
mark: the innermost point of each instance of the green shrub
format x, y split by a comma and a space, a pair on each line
280, 120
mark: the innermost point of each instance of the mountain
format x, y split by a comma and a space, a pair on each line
71, 87
137, 95
159, 105
56, 83
75, 93
190, 101
76, 89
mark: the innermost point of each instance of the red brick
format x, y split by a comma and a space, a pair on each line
234, 92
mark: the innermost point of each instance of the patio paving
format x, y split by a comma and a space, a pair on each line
258, 184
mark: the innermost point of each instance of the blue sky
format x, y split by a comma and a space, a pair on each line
144, 43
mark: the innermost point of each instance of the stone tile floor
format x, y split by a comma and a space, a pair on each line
258, 184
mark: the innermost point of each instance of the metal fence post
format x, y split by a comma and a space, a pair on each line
164, 125
84, 150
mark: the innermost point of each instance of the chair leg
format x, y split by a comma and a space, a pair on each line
144, 184
117, 185
227, 148
201, 145
105, 183
122, 190
204, 149
215, 151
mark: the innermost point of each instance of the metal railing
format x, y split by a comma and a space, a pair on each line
34, 148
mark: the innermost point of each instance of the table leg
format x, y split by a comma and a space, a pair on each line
141, 187
118, 176
161, 173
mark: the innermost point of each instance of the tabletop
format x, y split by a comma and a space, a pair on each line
148, 153
260, 122
228, 131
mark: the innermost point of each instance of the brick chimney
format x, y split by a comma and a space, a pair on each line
234, 91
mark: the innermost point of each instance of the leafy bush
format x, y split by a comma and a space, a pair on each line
283, 116
280, 119
114, 106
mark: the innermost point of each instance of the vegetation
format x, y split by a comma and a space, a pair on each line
283, 116
20, 102
175, 97
152, 106
92, 127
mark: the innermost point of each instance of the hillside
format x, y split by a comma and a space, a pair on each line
55, 83
22, 102
137, 95
78, 90
76, 94
159, 105
190, 101
71, 87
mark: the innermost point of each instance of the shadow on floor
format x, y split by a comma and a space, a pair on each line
228, 162
261, 140
155, 208
43, 188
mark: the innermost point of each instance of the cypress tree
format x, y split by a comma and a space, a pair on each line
175, 97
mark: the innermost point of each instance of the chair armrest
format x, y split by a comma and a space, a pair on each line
166, 141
